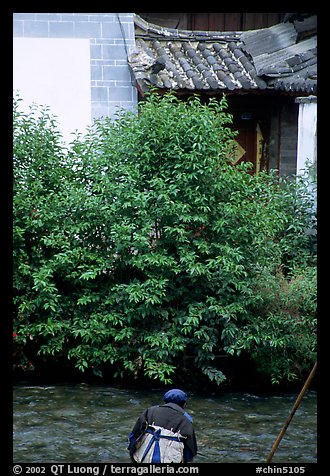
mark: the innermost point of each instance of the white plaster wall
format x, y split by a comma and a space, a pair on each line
307, 124
55, 72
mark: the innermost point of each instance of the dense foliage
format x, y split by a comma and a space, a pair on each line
141, 249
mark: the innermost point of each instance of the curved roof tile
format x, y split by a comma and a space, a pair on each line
269, 58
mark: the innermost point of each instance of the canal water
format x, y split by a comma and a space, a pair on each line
90, 424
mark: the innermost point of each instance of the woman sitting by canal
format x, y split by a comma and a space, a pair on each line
164, 433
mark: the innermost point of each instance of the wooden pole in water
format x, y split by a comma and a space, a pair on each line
294, 408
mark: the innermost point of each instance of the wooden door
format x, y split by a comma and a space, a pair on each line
247, 140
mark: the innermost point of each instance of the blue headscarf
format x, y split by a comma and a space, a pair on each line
175, 396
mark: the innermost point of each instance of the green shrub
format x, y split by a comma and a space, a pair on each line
280, 333
142, 244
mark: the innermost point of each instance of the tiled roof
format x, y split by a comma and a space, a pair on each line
288, 64
270, 58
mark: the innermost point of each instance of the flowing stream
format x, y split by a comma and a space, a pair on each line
90, 424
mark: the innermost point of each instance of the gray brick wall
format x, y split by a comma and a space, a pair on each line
111, 39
